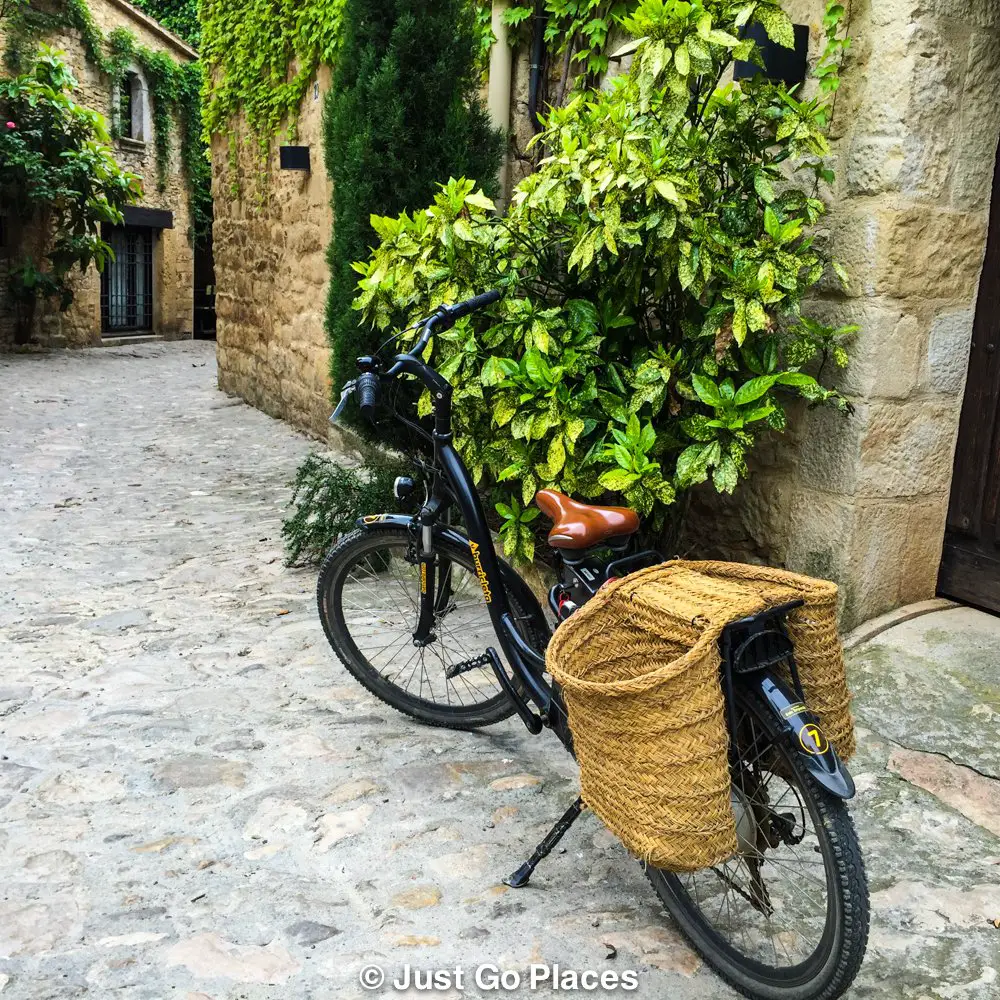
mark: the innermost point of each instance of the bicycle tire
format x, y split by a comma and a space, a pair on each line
831, 969
348, 552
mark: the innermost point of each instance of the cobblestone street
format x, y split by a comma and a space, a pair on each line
197, 801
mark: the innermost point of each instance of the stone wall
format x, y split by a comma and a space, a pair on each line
173, 266
863, 498
271, 273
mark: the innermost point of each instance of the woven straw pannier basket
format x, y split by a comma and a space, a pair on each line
639, 667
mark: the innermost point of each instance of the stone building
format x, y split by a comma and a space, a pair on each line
148, 290
863, 499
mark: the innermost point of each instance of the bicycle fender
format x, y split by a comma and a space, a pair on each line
523, 594
805, 735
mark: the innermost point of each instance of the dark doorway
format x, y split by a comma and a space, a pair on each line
204, 288
127, 282
970, 563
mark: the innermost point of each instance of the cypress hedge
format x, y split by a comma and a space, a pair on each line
403, 116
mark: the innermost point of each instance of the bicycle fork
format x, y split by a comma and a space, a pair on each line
423, 634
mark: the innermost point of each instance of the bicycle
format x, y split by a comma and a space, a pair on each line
439, 595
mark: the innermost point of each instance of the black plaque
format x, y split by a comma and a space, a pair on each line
295, 158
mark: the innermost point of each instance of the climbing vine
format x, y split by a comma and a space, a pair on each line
578, 36
260, 56
178, 16
175, 88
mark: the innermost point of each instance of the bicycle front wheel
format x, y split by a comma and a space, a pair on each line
369, 600
786, 918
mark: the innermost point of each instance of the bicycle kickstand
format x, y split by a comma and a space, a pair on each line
522, 876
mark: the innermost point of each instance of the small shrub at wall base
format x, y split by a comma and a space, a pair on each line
328, 498
655, 267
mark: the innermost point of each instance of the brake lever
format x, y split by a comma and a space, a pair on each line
345, 395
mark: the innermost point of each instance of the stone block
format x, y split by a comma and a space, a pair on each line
750, 526
886, 354
907, 448
933, 113
921, 556
828, 456
818, 533
879, 534
877, 78
972, 13
887, 13
926, 252
854, 242
874, 164
870, 548
976, 141
948, 346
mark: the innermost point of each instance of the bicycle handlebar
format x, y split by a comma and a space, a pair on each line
460, 309
368, 383
447, 316
368, 394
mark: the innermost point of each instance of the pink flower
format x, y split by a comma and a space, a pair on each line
11, 125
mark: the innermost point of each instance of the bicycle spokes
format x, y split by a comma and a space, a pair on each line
770, 900
442, 663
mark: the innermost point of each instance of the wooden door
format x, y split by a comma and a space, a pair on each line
970, 564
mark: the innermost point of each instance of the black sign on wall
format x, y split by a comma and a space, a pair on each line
150, 218
295, 158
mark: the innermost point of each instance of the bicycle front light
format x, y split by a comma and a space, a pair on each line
403, 487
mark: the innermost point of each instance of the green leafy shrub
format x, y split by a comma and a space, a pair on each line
655, 268
59, 182
180, 16
403, 112
327, 500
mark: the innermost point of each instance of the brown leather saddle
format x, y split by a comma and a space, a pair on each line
581, 525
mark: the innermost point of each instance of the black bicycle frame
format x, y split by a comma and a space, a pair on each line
452, 482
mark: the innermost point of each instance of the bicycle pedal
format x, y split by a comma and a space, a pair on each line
483, 660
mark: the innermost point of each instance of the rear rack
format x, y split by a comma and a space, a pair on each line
758, 641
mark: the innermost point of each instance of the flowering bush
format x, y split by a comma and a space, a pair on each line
59, 180
655, 266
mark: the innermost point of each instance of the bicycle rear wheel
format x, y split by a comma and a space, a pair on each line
787, 917
369, 596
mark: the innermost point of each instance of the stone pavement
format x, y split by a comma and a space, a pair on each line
197, 802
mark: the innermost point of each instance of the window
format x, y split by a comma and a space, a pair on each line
132, 107
127, 281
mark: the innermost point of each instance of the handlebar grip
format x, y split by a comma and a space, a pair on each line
474, 304
368, 387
